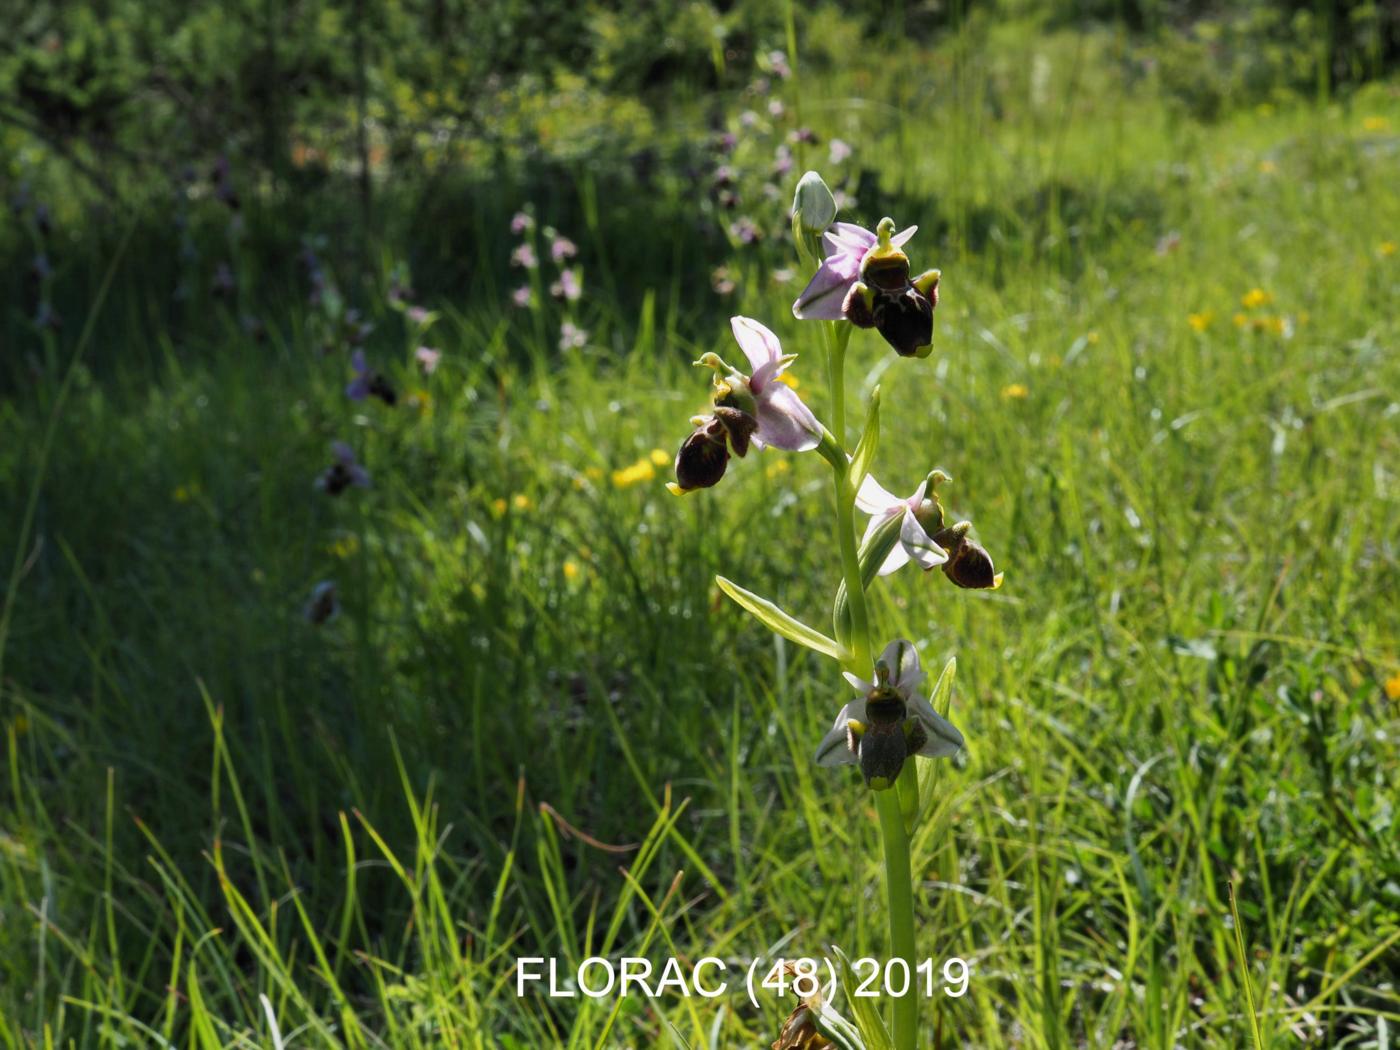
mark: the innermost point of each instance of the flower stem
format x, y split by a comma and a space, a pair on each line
899, 889
836, 373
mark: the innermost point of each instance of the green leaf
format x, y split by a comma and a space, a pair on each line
791, 628
942, 696
874, 1034
869, 439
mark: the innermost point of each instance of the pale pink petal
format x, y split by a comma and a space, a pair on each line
764, 375
918, 543
848, 237
902, 237
784, 421
760, 345
825, 293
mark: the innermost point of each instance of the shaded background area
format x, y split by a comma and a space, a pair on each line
1164, 383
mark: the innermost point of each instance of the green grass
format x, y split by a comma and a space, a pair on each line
1180, 688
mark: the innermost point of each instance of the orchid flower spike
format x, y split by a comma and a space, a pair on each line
865, 279
754, 409
920, 516
889, 722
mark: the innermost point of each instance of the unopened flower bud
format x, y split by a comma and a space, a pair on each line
813, 206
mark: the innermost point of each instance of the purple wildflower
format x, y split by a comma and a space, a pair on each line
524, 256
521, 296
344, 471
368, 382
567, 287
839, 151
561, 249
521, 222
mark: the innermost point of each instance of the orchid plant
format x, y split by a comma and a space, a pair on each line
860, 279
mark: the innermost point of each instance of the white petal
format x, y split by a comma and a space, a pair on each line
943, 737
874, 498
902, 237
760, 345
897, 558
919, 544
832, 751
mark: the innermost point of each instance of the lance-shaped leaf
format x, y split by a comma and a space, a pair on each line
791, 628
869, 439
874, 1034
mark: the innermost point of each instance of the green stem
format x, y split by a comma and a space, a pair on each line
836, 377
899, 888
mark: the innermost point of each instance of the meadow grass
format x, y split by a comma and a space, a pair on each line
537, 728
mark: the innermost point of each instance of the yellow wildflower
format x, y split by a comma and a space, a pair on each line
1392, 686
571, 570
1387, 249
1375, 124
498, 507
520, 501
1201, 321
1092, 338
789, 379
1255, 298
660, 457
345, 547
1016, 391
638, 472
777, 467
